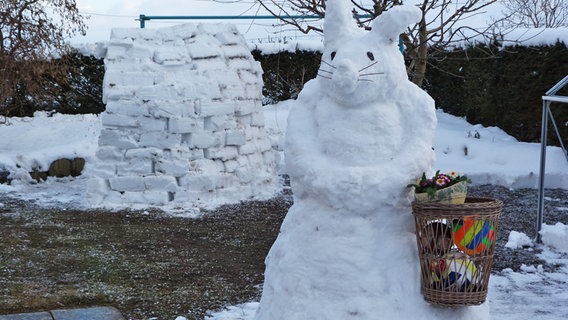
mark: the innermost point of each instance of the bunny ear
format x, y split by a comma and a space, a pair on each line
338, 22
393, 22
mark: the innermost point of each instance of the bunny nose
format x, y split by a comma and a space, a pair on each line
345, 78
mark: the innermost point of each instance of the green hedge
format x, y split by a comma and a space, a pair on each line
503, 89
286, 72
80, 93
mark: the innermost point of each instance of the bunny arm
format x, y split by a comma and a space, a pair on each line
348, 187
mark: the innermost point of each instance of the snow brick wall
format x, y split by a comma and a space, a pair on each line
183, 120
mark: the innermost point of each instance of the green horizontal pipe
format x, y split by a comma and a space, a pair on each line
143, 18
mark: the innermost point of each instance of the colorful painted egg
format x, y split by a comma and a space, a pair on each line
455, 273
473, 236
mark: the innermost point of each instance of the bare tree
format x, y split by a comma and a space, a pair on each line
443, 23
32, 32
535, 13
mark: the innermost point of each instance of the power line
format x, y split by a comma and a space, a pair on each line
107, 15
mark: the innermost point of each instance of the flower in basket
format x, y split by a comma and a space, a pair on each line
450, 187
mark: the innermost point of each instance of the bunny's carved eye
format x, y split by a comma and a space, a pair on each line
333, 55
370, 55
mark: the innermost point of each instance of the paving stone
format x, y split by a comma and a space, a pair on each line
28, 316
95, 313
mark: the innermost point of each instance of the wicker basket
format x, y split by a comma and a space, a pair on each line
456, 243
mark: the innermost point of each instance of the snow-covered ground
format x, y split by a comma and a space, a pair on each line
493, 157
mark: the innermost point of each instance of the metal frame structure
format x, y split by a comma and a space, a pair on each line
548, 98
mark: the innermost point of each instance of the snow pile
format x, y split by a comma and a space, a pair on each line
183, 120
555, 236
356, 136
289, 46
33, 143
518, 240
476, 147
533, 36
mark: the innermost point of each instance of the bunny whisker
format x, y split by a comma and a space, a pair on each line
367, 67
369, 80
323, 61
326, 71
371, 74
324, 76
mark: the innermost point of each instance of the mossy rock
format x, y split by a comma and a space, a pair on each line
66, 167
61, 168
4, 176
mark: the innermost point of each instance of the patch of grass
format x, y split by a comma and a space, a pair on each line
146, 265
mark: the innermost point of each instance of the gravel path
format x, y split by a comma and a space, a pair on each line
519, 213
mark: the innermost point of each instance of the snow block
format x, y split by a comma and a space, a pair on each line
135, 168
126, 107
114, 92
218, 123
257, 119
246, 107
253, 91
207, 166
115, 138
203, 49
247, 148
97, 189
235, 51
156, 92
193, 182
172, 168
163, 183
235, 138
116, 120
160, 140
233, 92
152, 124
183, 109
249, 77
205, 140
231, 165
153, 198
170, 55
143, 153
216, 108
185, 125
110, 153
104, 170
133, 183
224, 154
240, 64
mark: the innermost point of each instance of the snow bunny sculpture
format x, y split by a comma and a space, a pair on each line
357, 135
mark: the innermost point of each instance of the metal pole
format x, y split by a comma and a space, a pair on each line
142, 21
557, 133
543, 136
